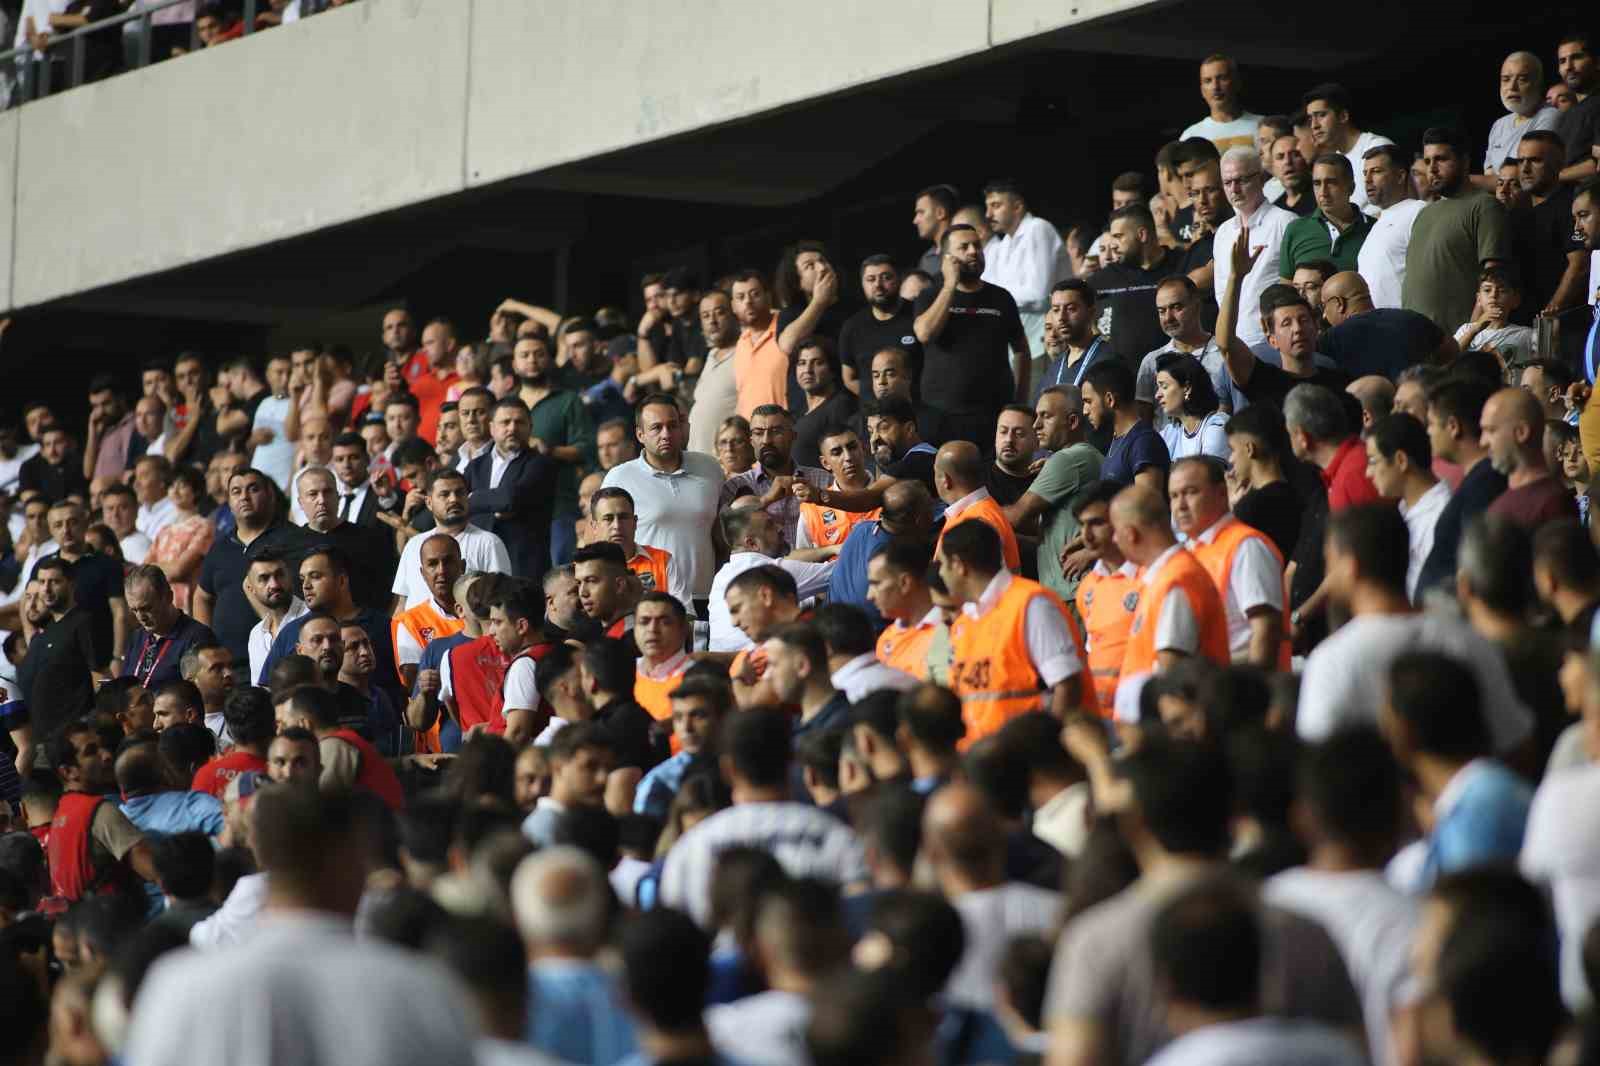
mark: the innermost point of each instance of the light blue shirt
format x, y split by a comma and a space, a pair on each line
658, 788
575, 1013
1479, 819
175, 812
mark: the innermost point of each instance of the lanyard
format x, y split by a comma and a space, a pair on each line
163, 644
1083, 365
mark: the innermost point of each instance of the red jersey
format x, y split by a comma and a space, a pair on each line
213, 777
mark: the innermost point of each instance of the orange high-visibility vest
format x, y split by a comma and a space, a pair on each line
991, 671
656, 696
651, 566
906, 648
1106, 603
424, 623
1181, 571
987, 510
1217, 557
831, 525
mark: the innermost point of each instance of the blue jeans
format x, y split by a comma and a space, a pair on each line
563, 538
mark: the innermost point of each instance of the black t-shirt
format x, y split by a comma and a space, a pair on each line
56, 482
837, 410
686, 342
54, 677
96, 581
222, 577
1125, 295
1275, 510
863, 336
1579, 127
1543, 238
1270, 384
1006, 488
372, 559
966, 369
1304, 208
1383, 341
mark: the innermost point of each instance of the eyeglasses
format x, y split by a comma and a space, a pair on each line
1240, 181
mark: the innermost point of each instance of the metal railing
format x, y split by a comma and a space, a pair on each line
36, 74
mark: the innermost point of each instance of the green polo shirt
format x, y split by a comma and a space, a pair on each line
561, 419
1305, 240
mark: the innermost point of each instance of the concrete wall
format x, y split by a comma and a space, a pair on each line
387, 103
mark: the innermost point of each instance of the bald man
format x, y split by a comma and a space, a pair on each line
1511, 430
413, 628
958, 476
964, 841
1376, 396
1384, 341
1180, 611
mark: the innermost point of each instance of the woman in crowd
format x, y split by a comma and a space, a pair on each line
1184, 393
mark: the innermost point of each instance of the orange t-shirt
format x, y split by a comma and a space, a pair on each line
760, 369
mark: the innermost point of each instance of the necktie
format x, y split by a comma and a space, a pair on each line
344, 506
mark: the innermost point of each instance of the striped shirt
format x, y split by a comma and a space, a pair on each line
804, 840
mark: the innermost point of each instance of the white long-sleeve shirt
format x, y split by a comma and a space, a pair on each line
1024, 264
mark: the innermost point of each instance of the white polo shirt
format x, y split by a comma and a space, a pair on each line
480, 550
1382, 259
1266, 232
676, 510
1256, 580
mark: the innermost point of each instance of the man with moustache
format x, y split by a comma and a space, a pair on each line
1015, 445
828, 403
1522, 95
772, 433
886, 321
716, 393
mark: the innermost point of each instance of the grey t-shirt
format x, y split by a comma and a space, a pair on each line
1103, 972
1065, 474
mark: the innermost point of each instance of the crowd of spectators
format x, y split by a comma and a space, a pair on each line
1169, 641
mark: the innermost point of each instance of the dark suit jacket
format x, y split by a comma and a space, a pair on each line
519, 510
367, 514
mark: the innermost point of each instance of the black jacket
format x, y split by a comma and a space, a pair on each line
518, 510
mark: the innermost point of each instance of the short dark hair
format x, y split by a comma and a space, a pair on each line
944, 196
806, 638
611, 663
1035, 737
775, 578
1333, 94
906, 556
1375, 535
247, 712
184, 862
893, 407
1112, 376
556, 663
959, 227
975, 544
1454, 138
1438, 697
187, 746
1188, 372
1461, 399
1004, 186
1564, 547
757, 741
862, 1016
1496, 562
927, 935
1095, 492
818, 750
845, 628
1128, 181
1401, 432
1353, 788
1077, 285
1391, 152
658, 596
1207, 944
602, 551
1139, 215
932, 715
566, 744
1184, 796
1195, 150
317, 704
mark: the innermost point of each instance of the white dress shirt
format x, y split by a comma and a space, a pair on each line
498, 465
285, 996
1266, 232
1256, 580
1420, 522
1024, 263
1381, 262
260, 640
810, 578
135, 547
466, 453
154, 517
864, 675
1050, 648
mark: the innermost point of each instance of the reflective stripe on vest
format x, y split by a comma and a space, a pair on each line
1107, 603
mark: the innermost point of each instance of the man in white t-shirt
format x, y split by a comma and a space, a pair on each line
1351, 794
119, 508
1386, 179
1522, 94
446, 490
1228, 125
1243, 177
12, 456
1400, 464
1346, 676
269, 431
807, 842
964, 844
1328, 110
1208, 946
